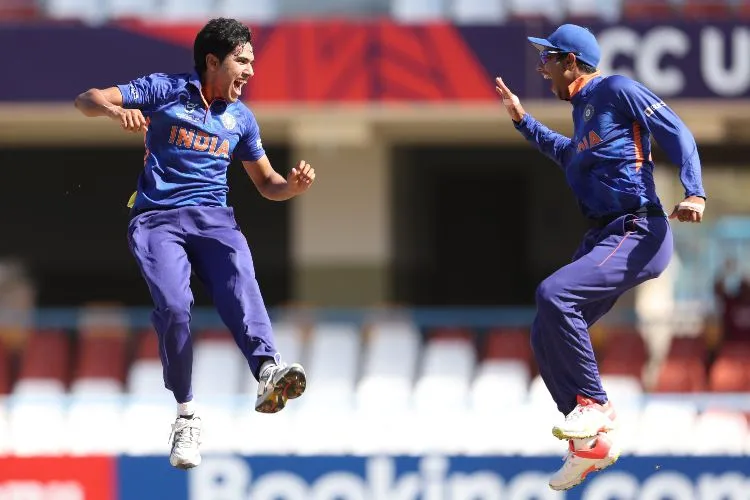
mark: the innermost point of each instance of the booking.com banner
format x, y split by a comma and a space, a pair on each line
362, 478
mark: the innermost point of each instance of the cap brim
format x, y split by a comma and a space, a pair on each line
541, 43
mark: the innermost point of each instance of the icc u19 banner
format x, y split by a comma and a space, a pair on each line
384, 61
430, 478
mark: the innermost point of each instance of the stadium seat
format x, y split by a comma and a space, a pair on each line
663, 427
146, 424
145, 376
508, 344
551, 10
706, 9
146, 345
389, 368
720, 433
131, 9
499, 383
4, 430
625, 392
648, 9
623, 352
583, 11
688, 347
19, 10
180, 11
262, 434
37, 425
45, 364
101, 364
445, 375
325, 412
478, 11
218, 367
729, 374
87, 10
441, 392
417, 10
5, 367
681, 375
255, 11
451, 333
90, 427
332, 367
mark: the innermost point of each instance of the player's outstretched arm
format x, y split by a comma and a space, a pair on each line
108, 102
555, 146
273, 185
510, 101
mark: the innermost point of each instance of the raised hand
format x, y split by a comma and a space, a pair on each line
510, 100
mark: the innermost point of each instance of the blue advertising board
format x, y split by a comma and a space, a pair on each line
429, 478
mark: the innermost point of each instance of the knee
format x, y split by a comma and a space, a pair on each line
175, 313
549, 293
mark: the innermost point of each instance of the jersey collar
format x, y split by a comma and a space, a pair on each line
580, 82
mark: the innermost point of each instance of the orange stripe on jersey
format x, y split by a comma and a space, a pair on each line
638, 146
145, 141
581, 82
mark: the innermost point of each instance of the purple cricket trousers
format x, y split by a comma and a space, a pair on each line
168, 245
609, 261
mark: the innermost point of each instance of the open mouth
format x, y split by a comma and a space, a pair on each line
238, 85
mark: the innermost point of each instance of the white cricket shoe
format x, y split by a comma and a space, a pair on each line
185, 439
581, 461
277, 384
587, 420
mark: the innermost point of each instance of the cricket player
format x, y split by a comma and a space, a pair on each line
194, 125
608, 165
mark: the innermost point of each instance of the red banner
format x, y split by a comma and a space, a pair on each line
57, 478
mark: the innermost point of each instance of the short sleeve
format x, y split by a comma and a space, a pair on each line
250, 147
147, 93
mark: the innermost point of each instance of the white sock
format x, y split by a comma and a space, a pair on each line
186, 409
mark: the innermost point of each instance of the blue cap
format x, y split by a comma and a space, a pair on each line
572, 38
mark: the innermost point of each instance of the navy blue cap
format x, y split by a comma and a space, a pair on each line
572, 38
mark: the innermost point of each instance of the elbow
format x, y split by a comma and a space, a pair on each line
81, 100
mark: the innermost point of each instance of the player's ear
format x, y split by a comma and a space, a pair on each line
570, 62
212, 62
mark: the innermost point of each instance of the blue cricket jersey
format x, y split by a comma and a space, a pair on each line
189, 143
608, 161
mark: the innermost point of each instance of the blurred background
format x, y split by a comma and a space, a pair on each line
404, 280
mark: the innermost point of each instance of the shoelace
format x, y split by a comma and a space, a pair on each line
577, 413
180, 437
266, 378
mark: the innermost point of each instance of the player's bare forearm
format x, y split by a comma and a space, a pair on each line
276, 188
272, 185
108, 102
94, 102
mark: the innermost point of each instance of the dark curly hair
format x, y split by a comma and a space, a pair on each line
219, 37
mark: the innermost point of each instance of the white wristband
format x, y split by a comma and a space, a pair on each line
696, 207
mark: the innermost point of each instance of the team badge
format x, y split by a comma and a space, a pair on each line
228, 120
588, 112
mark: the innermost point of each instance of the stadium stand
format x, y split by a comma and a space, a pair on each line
65, 399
